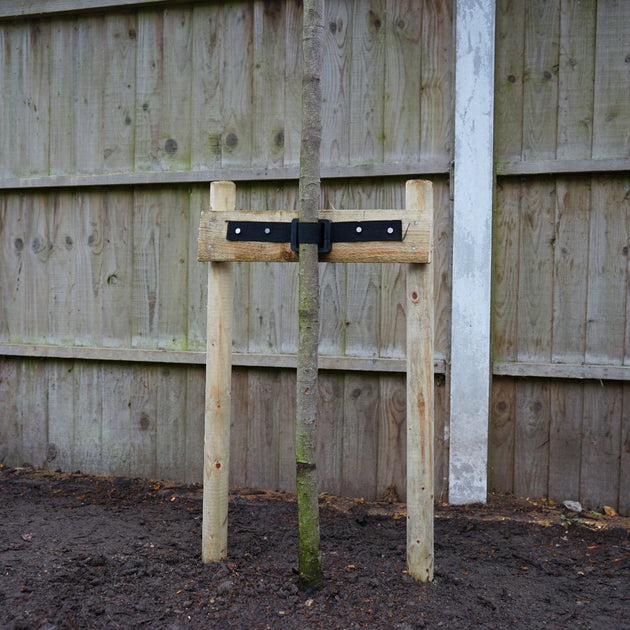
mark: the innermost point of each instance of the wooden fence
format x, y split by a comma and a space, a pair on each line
114, 119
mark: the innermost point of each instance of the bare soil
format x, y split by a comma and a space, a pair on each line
79, 551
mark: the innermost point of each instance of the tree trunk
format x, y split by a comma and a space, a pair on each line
309, 200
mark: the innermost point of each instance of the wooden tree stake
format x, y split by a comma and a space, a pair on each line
216, 453
419, 403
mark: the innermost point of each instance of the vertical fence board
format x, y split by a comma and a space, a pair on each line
194, 422
535, 280
330, 446
607, 272
505, 285
624, 464
197, 298
208, 47
570, 269
565, 440
286, 431
269, 42
391, 451
170, 421
336, 77
366, 82
62, 47
113, 413
11, 426
61, 414
576, 79
115, 281
88, 95
501, 435
437, 92
360, 435
531, 438
175, 140
509, 79
239, 427
403, 59
33, 394
119, 92
540, 76
238, 115
599, 478
611, 124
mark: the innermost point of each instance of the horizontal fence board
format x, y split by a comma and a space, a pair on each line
239, 359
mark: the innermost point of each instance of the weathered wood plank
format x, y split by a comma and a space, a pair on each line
239, 427
171, 393
437, 87
607, 272
510, 46
367, 71
194, 423
535, 278
531, 439
565, 440
391, 450
208, 49
119, 54
286, 431
238, 114
145, 421
550, 167
88, 73
115, 281
269, 50
403, 59
505, 273
111, 420
540, 79
62, 433
415, 246
336, 77
360, 435
563, 370
624, 464
10, 427
33, 396
611, 119
599, 478
501, 436
62, 46
442, 264
571, 239
292, 83
441, 440
149, 80
31, 107
251, 174
576, 79
18, 8
330, 421
177, 131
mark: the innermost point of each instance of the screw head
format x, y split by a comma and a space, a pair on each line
267, 230
390, 230
359, 229
237, 230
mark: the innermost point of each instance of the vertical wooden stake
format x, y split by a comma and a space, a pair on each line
216, 452
419, 403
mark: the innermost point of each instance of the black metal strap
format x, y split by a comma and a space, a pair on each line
323, 233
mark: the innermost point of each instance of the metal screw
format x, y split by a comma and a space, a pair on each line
390, 230
209, 246
359, 229
267, 230
237, 231
415, 222
413, 248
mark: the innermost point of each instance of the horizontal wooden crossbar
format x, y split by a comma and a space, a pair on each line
415, 246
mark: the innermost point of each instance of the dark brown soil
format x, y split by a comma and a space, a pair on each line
79, 551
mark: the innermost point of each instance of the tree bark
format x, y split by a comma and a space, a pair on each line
310, 573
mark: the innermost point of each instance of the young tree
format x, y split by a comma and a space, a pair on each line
309, 198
